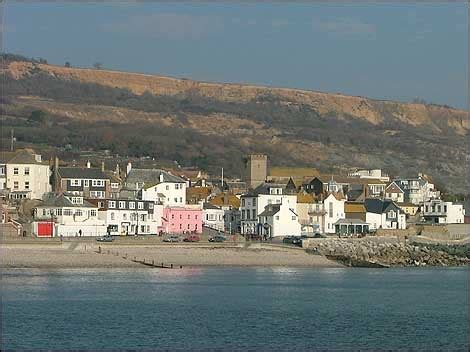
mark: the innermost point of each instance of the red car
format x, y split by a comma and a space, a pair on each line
192, 238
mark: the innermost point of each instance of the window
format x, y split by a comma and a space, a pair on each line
67, 212
97, 194
277, 217
142, 217
243, 214
445, 208
243, 202
100, 205
86, 183
114, 185
26, 185
189, 216
2, 170
254, 202
330, 211
97, 183
177, 186
181, 226
75, 182
167, 187
172, 216
181, 216
78, 212
188, 226
112, 216
293, 218
124, 216
176, 200
15, 171
112, 204
142, 228
140, 205
93, 213
26, 170
122, 204
254, 213
150, 205
15, 185
131, 205
181, 199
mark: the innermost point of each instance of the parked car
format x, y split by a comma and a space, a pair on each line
287, 239
106, 238
172, 238
192, 238
217, 238
296, 240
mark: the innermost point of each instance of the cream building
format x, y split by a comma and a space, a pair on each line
27, 176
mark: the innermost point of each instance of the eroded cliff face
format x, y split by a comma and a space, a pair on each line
437, 118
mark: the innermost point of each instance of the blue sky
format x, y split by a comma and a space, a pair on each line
387, 51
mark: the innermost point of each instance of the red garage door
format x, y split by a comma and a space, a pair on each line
45, 229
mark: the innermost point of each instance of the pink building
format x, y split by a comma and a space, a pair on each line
178, 220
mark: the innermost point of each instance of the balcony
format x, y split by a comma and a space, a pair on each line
318, 212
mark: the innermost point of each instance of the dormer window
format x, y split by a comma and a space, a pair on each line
77, 200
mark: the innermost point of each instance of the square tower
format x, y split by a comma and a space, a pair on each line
256, 169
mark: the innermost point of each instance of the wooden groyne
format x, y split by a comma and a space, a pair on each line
150, 263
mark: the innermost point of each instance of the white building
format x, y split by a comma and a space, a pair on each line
418, 190
26, 176
375, 174
333, 206
278, 220
384, 214
439, 212
130, 217
156, 185
71, 215
254, 203
213, 217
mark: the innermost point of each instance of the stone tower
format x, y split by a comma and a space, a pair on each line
256, 169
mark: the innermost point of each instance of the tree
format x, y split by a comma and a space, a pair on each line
67, 64
37, 116
98, 65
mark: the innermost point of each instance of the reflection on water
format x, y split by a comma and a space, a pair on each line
236, 308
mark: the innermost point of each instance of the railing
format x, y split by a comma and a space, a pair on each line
18, 227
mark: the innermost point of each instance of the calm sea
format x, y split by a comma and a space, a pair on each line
236, 308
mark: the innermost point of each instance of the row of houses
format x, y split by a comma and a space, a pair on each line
92, 201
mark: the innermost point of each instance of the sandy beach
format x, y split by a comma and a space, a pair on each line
70, 255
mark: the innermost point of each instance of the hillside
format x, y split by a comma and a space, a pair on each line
214, 124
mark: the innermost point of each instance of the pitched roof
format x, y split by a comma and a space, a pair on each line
350, 222
24, 156
378, 206
210, 206
82, 172
232, 200
305, 198
61, 201
394, 188
152, 176
354, 207
270, 210
264, 188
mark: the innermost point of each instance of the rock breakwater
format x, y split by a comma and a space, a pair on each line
379, 253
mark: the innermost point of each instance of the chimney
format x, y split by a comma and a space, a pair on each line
161, 177
128, 168
225, 197
117, 172
56, 174
88, 164
102, 166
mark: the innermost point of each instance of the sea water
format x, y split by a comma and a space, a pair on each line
236, 308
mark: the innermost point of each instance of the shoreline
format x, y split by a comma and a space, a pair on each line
66, 256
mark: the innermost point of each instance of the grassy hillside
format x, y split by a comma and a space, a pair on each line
212, 125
